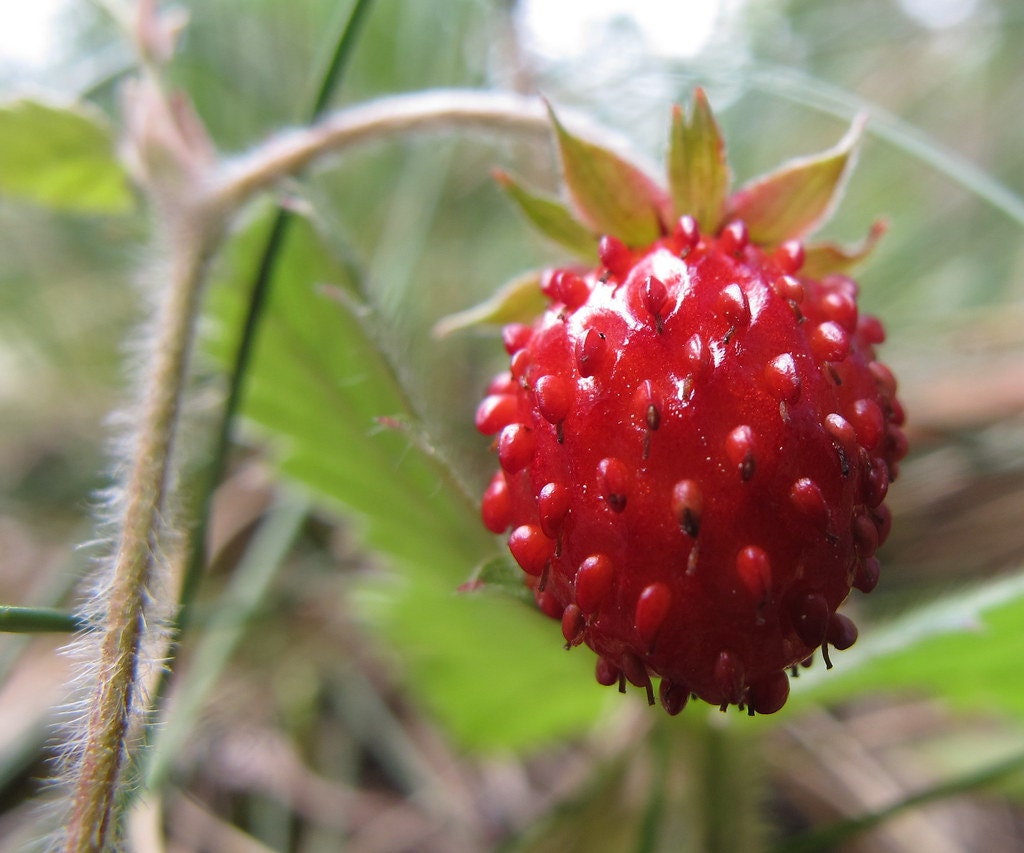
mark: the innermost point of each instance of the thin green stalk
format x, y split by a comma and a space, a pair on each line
329, 79
730, 784
138, 553
39, 620
652, 825
394, 115
227, 625
340, 57
719, 797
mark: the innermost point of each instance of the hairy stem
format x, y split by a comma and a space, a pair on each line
289, 152
137, 550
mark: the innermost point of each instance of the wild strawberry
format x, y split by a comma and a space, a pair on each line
695, 439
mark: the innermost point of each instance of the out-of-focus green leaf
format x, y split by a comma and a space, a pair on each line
320, 386
337, 421
62, 157
965, 648
552, 218
491, 668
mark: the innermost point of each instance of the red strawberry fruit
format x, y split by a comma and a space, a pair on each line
695, 439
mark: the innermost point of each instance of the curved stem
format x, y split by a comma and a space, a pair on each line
438, 109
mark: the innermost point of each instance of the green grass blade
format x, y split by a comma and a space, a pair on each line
840, 832
38, 620
816, 94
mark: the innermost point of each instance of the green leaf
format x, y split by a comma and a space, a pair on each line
491, 668
698, 171
612, 195
518, 301
823, 258
62, 157
319, 384
335, 418
552, 218
965, 648
799, 196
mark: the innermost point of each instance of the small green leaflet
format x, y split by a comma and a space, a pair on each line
823, 258
518, 301
552, 218
63, 157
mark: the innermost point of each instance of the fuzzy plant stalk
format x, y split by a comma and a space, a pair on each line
133, 599
132, 602
133, 605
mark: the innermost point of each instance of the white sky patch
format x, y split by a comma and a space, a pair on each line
28, 32
939, 14
563, 29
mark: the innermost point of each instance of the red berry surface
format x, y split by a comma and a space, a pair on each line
695, 444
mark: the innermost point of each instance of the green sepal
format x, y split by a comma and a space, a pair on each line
517, 301
823, 258
612, 195
698, 170
500, 576
552, 218
799, 196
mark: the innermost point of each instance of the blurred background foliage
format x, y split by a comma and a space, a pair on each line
333, 690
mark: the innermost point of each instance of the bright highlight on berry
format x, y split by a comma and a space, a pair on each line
696, 438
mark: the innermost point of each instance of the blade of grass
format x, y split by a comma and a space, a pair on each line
39, 620
329, 80
816, 94
224, 435
225, 627
830, 837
